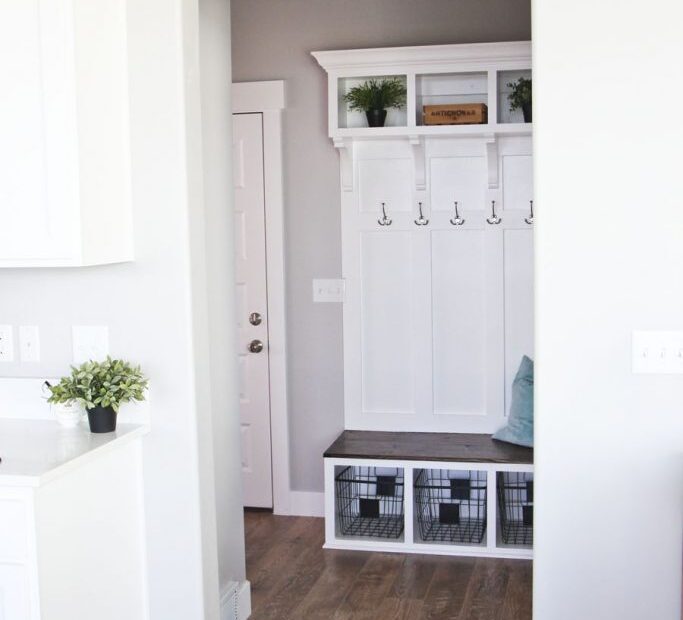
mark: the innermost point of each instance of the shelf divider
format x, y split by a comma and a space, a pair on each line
491, 505
408, 505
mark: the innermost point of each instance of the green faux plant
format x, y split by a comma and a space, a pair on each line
377, 94
100, 384
521, 93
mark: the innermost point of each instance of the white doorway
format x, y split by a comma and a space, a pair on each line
259, 271
252, 309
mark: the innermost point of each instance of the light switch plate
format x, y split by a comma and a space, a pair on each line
329, 291
90, 342
29, 343
658, 352
6, 344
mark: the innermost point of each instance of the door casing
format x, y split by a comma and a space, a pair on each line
268, 98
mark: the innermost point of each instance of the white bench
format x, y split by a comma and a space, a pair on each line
432, 493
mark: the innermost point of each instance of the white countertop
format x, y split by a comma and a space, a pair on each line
36, 451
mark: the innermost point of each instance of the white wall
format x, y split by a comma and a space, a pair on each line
609, 444
272, 40
162, 309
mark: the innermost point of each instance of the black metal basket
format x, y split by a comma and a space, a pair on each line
370, 501
516, 507
451, 505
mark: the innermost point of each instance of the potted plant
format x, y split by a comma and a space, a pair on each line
375, 96
101, 387
520, 97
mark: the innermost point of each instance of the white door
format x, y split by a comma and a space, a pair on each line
252, 318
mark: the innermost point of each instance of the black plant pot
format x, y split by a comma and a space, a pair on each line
526, 112
102, 419
376, 118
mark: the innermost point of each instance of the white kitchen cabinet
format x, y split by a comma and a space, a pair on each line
65, 188
71, 523
438, 310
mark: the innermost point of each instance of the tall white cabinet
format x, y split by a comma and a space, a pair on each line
65, 195
439, 307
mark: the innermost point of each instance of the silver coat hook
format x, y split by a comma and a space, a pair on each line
384, 220
422, 220
457, 220
494, 219
530, 219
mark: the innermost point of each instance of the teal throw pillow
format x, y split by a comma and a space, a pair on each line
520, 426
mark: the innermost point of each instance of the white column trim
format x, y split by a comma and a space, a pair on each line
250, 97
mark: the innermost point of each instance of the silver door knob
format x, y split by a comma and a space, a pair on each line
255, 318
256, 346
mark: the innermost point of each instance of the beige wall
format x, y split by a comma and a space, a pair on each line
272, 39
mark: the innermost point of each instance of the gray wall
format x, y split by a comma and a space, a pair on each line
272, 39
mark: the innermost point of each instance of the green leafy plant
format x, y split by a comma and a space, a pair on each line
100, 384
377, 94
521, 93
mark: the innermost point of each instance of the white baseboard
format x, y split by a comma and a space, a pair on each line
306, 504
236, 601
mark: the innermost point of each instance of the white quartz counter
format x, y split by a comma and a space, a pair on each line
34, 452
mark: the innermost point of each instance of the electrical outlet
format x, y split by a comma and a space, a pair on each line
90, 342
29, 343
328, 291
6, 344
657, 352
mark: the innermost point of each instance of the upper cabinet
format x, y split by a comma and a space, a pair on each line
433, 75
65, 187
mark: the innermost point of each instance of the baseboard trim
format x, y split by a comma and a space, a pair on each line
236, 601
306, 504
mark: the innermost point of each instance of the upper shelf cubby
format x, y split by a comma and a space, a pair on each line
476, 74
504, 82
447, 88
353, 119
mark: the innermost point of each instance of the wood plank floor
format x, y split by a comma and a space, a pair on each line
293, 578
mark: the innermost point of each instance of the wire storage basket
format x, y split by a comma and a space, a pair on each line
451, 505
516, 507
370, 501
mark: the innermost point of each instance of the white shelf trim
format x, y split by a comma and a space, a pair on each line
465, 56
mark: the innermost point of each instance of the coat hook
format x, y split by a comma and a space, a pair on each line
422, 220
384, 220
457, 220
530, 219
494, 219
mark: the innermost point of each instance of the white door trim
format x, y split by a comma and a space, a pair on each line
268, 98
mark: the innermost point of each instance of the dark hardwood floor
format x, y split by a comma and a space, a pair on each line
293, 578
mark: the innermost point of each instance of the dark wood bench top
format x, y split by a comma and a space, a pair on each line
463, 447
